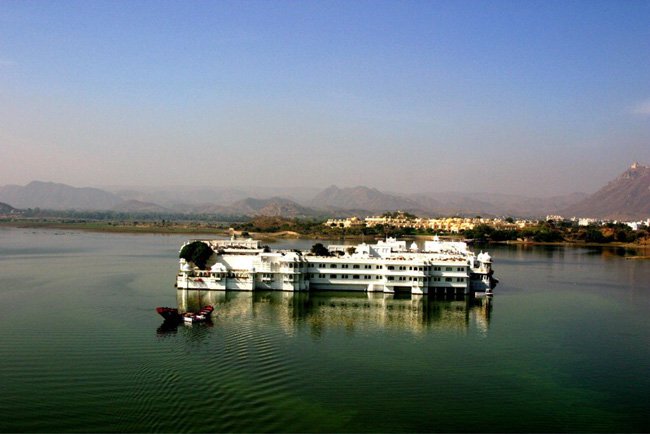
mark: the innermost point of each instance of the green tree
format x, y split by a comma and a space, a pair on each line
547, 235
482, 231
197, 252
319, 249
622, 236
594, 235
503, 235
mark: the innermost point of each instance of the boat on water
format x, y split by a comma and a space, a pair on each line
389, 266
168, 313
202, 315
171, 314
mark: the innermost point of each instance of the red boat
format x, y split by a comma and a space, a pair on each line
169, 313
173, 315
201, 316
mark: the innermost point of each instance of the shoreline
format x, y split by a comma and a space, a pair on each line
207, 229
119, 228
573, 244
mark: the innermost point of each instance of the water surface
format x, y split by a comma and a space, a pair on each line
562, 346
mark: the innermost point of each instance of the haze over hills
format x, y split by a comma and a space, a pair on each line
50, 195
179, 197
137, 206
273, 207
450, 203
364, 198
627, 197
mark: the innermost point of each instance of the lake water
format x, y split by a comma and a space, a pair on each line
564, 345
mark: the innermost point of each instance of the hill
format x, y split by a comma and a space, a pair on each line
452, 203
364, 198
5, 208
625, 198
273, 207
50, 195
140, 207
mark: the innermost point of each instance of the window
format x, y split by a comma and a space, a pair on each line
356, 276
344, 266
447, 279
447, 268
332, 265
333, 276
355, 266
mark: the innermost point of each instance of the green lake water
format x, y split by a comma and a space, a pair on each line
563, 346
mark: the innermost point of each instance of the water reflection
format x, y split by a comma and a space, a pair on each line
560, 252
350, 311
168, 327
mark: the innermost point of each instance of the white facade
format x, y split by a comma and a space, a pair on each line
388, 266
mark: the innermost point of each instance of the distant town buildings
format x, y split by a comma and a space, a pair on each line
447, 224
345, 223
403, 220
586, 221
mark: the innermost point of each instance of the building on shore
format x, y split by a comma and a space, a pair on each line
444, 224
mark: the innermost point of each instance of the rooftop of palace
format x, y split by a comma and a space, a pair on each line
391, 249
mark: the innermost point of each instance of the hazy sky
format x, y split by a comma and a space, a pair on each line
534, 97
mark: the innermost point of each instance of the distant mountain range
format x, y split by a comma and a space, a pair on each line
626, 197
365, 198
50, 195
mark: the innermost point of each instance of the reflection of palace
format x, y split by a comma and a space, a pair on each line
349, 310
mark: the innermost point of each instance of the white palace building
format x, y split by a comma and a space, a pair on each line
441, 267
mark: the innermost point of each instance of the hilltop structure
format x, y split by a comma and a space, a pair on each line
625, 198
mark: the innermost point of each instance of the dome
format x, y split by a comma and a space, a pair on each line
414, 247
